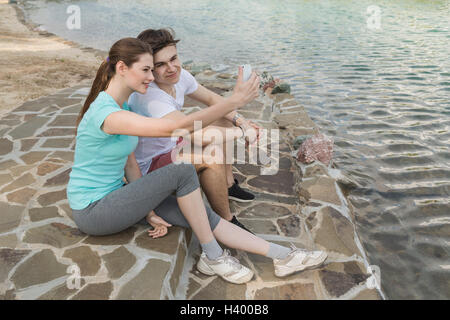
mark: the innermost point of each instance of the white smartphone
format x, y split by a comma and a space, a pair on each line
247, 72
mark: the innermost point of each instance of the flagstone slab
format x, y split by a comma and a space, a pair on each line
303, 131
64, 102
290, 226
55, 132
118, 262
291, 291
219, 289
63, 155
335, 233
8, 295
27, 144
189, 102
260, 226
52, 197
55, 234
57, 143
167, 244
35, 105
47, 167
299, 119
120, 238
193, 286
5, 178
22, 196
20, 170
248, 169
6, 146
34, 156
66, 208
249, 115
64, 121
10, 216
368, 294
9, 122
23, 181
95, 291
38, 269
74, 109
29, 128
338, 283
50, 111
264, 210
178, 269
4, 131
315, 170
285, 163
8, 241
61, 292
87, 260
321, 188
4, 165
275, 198
60, 179
9, 258
38, 214
282, 182
148, 284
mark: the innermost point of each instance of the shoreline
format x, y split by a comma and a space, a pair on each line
38, 63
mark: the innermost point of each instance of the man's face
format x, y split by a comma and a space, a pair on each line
167, 66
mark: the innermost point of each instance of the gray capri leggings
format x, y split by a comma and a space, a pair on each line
130, 204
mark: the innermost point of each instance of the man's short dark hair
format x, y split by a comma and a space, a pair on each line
158, 39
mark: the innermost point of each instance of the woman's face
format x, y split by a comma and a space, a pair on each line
139, 75
167, 66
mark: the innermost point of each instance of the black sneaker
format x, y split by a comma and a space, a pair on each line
235, 221
236, 193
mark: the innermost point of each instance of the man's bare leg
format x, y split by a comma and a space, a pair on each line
228, 167
213, 182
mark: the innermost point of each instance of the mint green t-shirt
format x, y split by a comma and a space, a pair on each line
100, 158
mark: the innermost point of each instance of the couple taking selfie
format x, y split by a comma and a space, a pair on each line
123, 171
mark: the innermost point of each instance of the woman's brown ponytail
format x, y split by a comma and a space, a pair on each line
127, 50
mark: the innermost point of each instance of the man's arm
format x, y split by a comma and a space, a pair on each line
210, 98
209, 132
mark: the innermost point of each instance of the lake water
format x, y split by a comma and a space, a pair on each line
382, 93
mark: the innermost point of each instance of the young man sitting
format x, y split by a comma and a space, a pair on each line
165, 98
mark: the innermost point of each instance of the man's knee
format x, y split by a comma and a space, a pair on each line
208, 166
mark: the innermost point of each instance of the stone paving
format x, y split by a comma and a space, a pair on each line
44, 256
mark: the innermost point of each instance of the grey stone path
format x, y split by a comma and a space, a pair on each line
44, 256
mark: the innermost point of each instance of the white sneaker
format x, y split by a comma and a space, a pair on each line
227, 267
298, 260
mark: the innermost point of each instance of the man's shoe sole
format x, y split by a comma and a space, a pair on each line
203, 268
305, 267
239, 200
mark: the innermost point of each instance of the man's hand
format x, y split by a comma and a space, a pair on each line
251, 131
159, 225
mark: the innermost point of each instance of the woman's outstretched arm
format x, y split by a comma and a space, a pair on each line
129, 123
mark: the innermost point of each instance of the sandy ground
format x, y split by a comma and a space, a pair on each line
35, 64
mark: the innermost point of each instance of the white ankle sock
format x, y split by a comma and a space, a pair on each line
212, 249
277, 252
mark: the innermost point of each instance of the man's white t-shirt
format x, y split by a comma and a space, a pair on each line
156, 103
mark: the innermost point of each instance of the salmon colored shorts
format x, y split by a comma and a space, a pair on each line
164, 159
